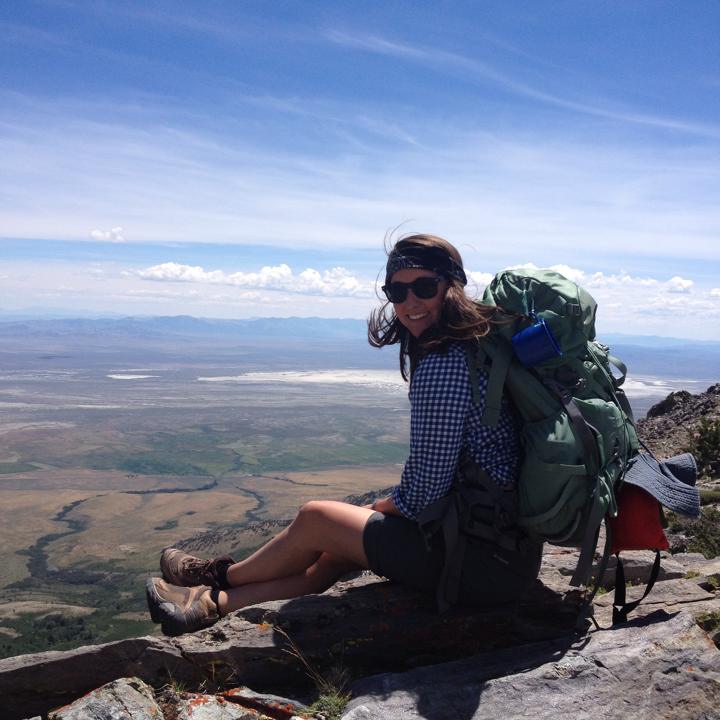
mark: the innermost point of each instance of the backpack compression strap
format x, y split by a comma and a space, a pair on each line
615, 383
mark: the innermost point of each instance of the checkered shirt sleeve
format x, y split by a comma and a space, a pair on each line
444, 420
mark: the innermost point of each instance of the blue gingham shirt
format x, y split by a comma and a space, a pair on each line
443, 421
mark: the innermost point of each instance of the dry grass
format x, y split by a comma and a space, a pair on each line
122, 528
285, 492
24, 517
95, 480
41, 609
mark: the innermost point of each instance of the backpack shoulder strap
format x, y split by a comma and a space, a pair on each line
499, 354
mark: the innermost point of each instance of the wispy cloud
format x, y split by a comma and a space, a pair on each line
494, 192
35, 36
229, 28
476, 71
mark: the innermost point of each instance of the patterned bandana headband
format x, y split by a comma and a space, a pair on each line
426, 258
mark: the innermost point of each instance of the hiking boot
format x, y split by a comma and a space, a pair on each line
179, 568
181, 609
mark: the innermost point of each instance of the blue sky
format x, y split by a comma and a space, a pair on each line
238, 159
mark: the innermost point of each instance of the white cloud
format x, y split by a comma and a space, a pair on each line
577, 276
679, 285
626, 303
481, 279
574, 274
114, 235
336, 282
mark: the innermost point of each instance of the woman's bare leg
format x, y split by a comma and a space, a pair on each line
317, 578
324, 541
321, 526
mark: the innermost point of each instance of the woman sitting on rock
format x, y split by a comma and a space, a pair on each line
429, 315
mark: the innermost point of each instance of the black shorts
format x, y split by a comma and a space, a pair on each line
396, 549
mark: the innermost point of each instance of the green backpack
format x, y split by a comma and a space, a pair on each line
576, 426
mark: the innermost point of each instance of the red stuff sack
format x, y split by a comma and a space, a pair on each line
638, 525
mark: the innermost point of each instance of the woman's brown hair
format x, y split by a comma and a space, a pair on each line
461, 317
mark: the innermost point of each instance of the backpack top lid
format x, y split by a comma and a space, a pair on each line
533, 294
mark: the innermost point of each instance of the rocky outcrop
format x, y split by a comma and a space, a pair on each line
669, 425
371, 626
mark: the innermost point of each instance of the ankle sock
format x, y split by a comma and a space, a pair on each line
218, 571
215, 597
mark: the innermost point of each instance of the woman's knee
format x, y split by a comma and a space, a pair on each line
310, 511
319, 511
334, 527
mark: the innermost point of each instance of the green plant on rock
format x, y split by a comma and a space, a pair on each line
331, 685
703, 534
706, 447
173, 686
590, 587
709, 496
330, 705
218, 675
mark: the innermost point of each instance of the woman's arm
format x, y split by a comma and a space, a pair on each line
440, 399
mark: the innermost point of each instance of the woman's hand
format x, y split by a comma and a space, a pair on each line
386, 506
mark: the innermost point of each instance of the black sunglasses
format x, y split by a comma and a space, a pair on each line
422, 287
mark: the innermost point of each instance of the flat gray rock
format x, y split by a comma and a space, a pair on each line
658, 668
696, 563
123, 699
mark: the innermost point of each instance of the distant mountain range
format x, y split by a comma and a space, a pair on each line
342, 340
186, 325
